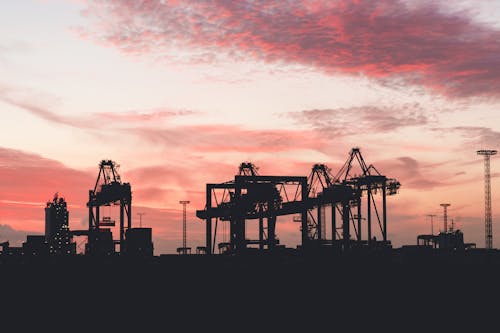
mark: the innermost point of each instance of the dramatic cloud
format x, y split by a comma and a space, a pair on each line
361, 120
416, 43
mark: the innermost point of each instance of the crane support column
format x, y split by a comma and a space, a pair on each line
334, 223
208, 232
384, 212
369, 214
319, 226
271, 232
304, 197
359, 218
346, 211
122, 236
237, 226
129, 212
261, 233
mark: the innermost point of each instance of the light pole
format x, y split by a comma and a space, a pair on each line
184, 243
432, 223
445, 215
140, 218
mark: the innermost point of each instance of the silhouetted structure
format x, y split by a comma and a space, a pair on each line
139, 242
36, 245
450, 240
108, 190
184, 249
445, 216
487, 197
99, 242
251, 196
432, 222
57, 233
368, 182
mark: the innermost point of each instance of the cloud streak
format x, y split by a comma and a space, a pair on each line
420, 44
24, 99
227, 138
477, 136
361, 120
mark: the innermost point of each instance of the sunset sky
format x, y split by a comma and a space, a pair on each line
179, 93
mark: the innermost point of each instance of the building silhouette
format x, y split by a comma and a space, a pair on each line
57, 233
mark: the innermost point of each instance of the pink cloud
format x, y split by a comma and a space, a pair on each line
366, 119
28, 181
226, 138
24, 99
143, 116
421, 44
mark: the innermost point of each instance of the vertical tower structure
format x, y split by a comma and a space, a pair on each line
432, 222
445, 216
184, 249
487, 197
57, 233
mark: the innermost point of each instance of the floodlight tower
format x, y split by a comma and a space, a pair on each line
184, 203
432, 222
445, 215
487, 196
140, 218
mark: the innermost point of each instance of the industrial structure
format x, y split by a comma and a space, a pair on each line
57, 233
184, 249
447, 239
343, 193
445, 216
487, 197
109, 190
432, 222
251, 196
342, 212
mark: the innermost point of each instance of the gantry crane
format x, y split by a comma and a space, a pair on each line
369, 181
108, 190
251, 196
343, 193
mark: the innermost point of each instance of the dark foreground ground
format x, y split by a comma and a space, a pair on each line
320, 291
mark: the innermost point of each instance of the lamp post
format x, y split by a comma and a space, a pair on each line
140, 218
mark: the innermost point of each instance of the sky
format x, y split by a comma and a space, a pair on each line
179, 93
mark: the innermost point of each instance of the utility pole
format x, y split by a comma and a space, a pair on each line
487, 197
140, 218
432, 222
184, 243
445, 216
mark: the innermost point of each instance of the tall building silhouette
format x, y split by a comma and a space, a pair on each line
57, 233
